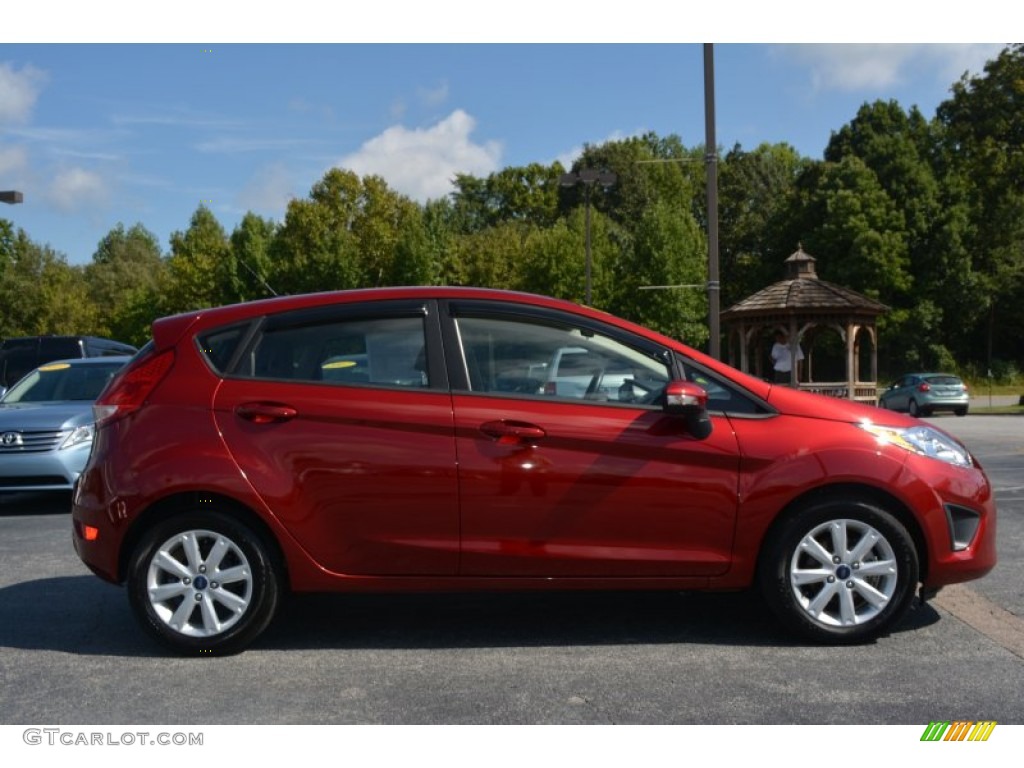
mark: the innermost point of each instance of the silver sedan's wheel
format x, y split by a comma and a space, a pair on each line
199, 583
843, 572
913, 409
204, 583
839, 571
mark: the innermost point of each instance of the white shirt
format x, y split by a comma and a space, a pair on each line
782, 360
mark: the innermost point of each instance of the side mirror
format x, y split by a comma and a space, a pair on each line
3, 391
690, 402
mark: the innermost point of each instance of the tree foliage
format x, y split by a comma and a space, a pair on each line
982, 149
926, 215
123, 282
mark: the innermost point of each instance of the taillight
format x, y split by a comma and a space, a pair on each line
924, 386
130, 388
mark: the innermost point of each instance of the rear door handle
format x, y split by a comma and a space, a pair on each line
512, 432
266, 413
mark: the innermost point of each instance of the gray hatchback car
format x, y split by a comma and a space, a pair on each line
46, 423
921, 394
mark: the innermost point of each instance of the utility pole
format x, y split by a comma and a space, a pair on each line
711, 160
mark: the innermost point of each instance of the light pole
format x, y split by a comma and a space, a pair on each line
12, 197
588, 177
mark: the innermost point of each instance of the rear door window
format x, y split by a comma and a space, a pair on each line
386, 351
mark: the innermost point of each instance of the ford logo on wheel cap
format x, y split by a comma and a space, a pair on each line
8, 439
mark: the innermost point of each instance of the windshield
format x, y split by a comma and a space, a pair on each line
62, 381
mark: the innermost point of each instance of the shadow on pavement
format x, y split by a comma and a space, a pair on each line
83, 615
50, 503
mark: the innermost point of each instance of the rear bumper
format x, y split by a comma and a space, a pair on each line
946, 405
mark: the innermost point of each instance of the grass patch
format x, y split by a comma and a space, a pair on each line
981, 389
1013, 410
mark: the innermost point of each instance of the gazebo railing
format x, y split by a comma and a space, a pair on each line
863, 391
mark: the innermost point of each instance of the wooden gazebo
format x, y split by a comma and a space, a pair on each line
806, 308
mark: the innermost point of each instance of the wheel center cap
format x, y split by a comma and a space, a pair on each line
201, 582
842, 572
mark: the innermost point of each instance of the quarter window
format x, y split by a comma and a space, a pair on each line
723, 396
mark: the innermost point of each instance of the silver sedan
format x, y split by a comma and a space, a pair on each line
46, 423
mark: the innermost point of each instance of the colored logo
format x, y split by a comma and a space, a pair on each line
958, 730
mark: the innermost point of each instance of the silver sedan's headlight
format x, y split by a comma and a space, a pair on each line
922, 440
78, 436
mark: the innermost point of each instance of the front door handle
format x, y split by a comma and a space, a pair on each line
266, 413
512, 432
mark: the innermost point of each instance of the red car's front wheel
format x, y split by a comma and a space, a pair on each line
840, 571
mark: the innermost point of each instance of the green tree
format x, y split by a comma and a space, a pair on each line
525, 193
647, 169
40, 293
982, 141
351, 233
440, 233
660, 279
390, 237
493, 257
251, 242
201, 271
756, 191
857, 233
899, 148
123, 281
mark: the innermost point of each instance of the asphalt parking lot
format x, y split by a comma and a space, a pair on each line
70, 651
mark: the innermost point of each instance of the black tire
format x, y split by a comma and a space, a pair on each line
835, 602
960, 411
913, 409
176, 564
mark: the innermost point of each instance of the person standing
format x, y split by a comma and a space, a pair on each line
782, 359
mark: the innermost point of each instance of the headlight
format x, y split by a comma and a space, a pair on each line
78, 436
922, 440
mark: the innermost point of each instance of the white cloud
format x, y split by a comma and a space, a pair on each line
397, 109
433, 97
570, 156
234, 144
18, 92
422, 162
949, 62
76, 188
13, 162
268, 191
863, 67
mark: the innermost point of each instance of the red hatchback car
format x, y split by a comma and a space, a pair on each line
456, 439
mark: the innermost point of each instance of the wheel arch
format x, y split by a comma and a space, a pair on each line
852, 492
195, 501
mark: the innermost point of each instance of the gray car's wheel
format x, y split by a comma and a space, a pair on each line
203, 583
839, 571
913, 408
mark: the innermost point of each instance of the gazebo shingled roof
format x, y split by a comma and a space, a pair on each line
804, 292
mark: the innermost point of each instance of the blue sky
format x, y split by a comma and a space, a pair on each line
96, 133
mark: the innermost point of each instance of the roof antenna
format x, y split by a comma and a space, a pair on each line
251, 272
